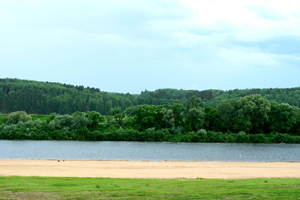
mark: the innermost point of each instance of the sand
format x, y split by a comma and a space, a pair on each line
149, 169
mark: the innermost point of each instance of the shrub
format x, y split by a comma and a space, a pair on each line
202, 133
19, 116
191, 137
215, 136
285, 138
242, 137
258, 138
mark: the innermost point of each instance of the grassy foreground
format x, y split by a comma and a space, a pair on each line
116, 188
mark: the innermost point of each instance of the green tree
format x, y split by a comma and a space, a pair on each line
147, 116
283, 117
80, 121
252, 113
248, 114
178, 113
168, 117
95, 118
194, 113
211, 119
117, 114
227, 110
19, 116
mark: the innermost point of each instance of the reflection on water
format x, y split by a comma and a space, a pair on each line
152, 151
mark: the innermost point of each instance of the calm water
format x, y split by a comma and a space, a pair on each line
152, 151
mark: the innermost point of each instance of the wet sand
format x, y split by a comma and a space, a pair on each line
149, 169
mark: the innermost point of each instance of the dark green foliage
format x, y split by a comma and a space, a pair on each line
45, 98
178, 113
194, 116
191, 137
243, 118
147, 116
117, 114
212, 119
95, 118
242, 137
249, 114
285, 138
204, 136
258, 138
283, 117
215, 136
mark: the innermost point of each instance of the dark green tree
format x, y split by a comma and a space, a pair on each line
283, 117
147, 116
178, 113
117, 115
195, 114
96, 118
212, 120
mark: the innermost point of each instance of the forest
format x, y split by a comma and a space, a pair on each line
54, 111
35, 97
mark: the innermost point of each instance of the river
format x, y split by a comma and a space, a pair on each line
151, 151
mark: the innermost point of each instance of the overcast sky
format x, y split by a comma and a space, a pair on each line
133, 45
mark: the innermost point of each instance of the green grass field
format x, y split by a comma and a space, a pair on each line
116, 188
40, 117
3, 117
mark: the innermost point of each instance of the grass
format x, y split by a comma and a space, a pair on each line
40, 117
15, 187
4, 117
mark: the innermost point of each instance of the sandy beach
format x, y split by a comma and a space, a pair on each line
149, 169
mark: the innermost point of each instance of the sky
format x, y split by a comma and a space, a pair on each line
133, 45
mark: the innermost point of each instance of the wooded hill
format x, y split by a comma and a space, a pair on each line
46, 97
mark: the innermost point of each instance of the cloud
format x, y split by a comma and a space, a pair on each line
250, 21
129, 45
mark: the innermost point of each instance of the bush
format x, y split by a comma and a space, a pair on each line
284, 138
190, 137
242, 137
176, 130
161, 135
258, 138
215, 136
202, 133
19, 116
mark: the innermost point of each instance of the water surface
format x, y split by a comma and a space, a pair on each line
152, 151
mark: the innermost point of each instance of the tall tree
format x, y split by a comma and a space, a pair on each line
283, 117
211, 119
194, 113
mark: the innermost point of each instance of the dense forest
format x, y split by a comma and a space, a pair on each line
79, 113
36, 97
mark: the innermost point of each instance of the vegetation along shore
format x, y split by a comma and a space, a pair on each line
257, 115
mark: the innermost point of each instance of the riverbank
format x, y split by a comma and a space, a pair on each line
148, 169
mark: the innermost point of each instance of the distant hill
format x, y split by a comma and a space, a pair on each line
47, 97
214, 97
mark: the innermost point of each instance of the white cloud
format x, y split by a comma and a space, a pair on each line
245, 20
157, 43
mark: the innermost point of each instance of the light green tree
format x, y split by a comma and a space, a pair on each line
19, 116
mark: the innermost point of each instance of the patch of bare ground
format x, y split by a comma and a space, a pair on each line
149, 169
28, 195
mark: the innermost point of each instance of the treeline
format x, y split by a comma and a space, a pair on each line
44, 98
252, 118
214, 97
